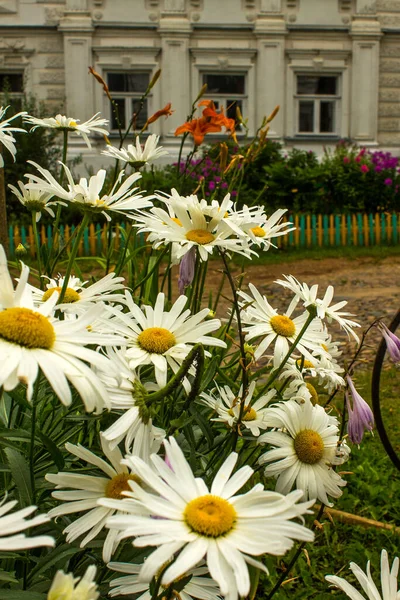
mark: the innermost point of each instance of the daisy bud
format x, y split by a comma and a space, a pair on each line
186, 270
20, 250
360, 417
392, 343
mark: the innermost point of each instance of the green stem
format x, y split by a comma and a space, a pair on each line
74, 252
37, 244
294, 559
33, 432
142, 281
243, 362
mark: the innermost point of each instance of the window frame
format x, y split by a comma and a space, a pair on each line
13, 95
127, 96
316, 99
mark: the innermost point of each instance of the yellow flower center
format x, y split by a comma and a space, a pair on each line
200, 236
307, 364
325, 347
156, 340
71, 295
282, 325
313, 392
27, 328
309, 446
119, 484
210, 516
73, 124
249, 414
258, 231
177, 221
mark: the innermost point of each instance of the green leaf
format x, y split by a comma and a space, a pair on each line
53, 450
21, 475
7, 577
59, 555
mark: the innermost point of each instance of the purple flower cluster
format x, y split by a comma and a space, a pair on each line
383, 161
207, 170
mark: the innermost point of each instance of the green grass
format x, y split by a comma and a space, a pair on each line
372, 491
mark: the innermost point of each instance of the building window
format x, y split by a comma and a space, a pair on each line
317, 104
12, 89
126, 88
227, 91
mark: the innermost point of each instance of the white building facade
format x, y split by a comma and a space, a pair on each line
332, 65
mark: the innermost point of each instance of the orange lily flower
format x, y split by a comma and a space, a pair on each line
218, 118
164, 112
198, 128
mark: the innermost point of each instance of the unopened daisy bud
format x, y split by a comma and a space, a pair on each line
20, 250
361, 417
211, 315
249, 351
392, 342
186, 270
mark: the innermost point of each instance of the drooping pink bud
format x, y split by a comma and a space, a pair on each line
361, 417
186, 270
392, 343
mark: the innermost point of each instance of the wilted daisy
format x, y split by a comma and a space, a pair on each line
63, 123
227, 405
163, 338
196, 224
78, 296
135, 425
87, 195
199, 586
305, 449
389, 586
323, 306
6, 136
188, 518
32, 339
138, 156
67, 587
86, 489
34, 200
12, 524
261, 320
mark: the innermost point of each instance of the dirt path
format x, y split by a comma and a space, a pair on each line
371, 286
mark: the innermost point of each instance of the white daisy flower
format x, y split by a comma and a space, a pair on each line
192, 522
32, 339
67, 587
11, 525
254, 223
261, 320
164, 339
227, 405
199, 586
305, 448
196, 224
138, 156
389, 585
323, 307
93, 125
6, 136
122, 199
135, 424
34, 200
79, 297
86, 490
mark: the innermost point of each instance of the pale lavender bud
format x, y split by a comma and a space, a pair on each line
186, 270
392, 343
361, 417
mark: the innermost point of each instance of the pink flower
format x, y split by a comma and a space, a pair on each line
346, 160
392, 343
360, 417
388, 181
364, 168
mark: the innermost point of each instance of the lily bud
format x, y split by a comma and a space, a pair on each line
361, 417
